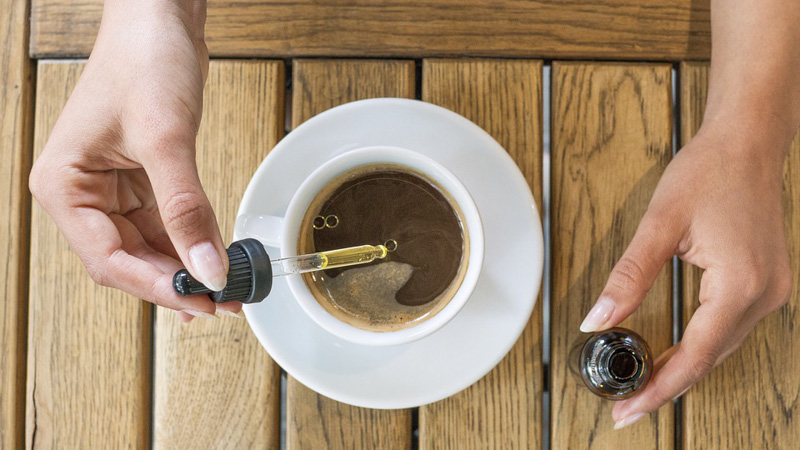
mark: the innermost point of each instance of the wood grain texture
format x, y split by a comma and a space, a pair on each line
315, 421
16, 126
612, 126
504, 408
694, 87
752, 399
214, 384
321, 85
89, 347
610, 29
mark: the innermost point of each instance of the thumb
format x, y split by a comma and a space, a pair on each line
653, 244
187, 214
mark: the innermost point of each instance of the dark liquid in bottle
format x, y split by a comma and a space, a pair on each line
615, 363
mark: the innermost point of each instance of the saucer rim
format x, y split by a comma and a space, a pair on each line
488, 144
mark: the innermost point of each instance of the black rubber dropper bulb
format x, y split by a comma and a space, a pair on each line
249, 276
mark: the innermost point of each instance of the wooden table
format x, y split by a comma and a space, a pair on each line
83, 366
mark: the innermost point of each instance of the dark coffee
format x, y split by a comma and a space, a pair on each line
374, 204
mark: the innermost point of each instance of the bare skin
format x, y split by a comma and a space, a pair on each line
718, 205
118, 174
118, 177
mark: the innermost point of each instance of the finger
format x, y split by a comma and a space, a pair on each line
664, 357
689, 363
158, 267
169, 266
231, 309
714, 331
142, 279
98, 241
149, 224
185, 209
184, 317
621, 413
662, 360
164, 263
653, 244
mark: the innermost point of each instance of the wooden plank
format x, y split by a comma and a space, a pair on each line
89, 347
16, 126
694, 88
214, 383
315, 421
612, 133
762, 378
504, 408
609, 29
321, 85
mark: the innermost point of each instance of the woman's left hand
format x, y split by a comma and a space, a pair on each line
718, 206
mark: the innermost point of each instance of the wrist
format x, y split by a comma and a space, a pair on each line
190, 13
747, 139
759, 109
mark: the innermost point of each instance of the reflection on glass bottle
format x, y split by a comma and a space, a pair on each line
614, 363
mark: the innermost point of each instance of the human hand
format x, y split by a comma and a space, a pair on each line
717, 206
118, 174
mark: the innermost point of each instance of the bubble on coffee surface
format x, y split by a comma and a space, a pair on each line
329, 221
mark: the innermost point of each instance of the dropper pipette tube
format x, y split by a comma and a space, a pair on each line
331, 259
251, 270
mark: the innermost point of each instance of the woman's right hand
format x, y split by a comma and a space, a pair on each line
118, 174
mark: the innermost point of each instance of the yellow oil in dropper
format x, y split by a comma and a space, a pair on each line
331, 259
250, 281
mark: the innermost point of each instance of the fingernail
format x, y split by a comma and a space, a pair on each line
630, 420
681, 394
208, 266
238, 315
183, 318
598, 316
201, 314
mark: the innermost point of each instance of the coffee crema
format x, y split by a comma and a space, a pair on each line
374, 204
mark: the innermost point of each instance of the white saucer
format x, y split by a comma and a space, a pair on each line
471, 344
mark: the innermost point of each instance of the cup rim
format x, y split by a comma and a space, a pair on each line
402, 157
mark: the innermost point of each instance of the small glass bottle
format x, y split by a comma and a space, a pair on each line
613, 363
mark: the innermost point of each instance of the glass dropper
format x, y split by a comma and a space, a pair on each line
330, 259
251, 270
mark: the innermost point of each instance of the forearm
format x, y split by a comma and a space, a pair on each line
754, 87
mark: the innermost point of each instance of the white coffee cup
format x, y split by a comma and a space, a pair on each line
284, 232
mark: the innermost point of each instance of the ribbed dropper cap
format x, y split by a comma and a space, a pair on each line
249, 276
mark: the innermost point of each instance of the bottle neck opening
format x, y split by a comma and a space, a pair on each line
623, 365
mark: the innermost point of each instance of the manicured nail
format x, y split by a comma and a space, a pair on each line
598, 316
630, 420
681, 394
183, 318
208, 266
238, 315
200, 314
